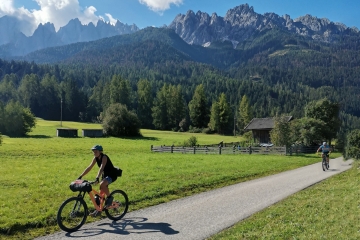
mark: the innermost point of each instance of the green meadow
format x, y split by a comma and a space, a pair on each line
35, 172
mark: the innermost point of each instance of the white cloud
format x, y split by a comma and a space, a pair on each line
111, 19
58, 12
6, 7
160, 5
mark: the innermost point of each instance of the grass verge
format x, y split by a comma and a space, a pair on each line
328, 210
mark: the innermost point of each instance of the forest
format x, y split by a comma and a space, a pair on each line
154, 71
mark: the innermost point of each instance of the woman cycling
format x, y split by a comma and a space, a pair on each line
106, 170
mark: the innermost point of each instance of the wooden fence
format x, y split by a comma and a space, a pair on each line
302, 149
220, 150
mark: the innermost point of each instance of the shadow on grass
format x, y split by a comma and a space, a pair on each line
38, 136
141, 138
305, 155
125, 226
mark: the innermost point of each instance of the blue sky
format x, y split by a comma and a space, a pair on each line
159, 12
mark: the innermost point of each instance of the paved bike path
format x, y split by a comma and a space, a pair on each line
205, 214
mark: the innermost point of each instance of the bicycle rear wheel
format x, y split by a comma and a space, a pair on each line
119, 206
72, 214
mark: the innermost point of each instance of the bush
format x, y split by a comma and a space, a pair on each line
118, 121
353, 144
248, 137
207, 131
183, 125
16, 121
192, 141
194, 130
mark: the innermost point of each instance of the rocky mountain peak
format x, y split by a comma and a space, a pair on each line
48, 27
9, 27
74, 22
242, 22
242, 9
313, 23
46, 36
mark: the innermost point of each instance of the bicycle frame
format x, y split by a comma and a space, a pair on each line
92, 197
324, 158
102, 200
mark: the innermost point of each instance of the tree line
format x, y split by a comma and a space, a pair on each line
278, 73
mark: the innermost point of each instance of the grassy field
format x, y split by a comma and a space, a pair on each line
328, 210
35, 172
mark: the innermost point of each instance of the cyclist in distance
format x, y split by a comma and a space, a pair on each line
325, 151
106, 171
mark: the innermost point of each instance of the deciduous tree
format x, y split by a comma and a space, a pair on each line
306, 131
280, 134
328, 112
119, 121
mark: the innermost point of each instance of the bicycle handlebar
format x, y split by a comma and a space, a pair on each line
90, 182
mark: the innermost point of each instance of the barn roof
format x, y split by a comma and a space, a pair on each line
263, 123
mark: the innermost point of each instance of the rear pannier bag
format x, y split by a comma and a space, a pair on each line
80, 186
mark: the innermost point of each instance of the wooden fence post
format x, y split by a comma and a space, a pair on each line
194, 149
151, 147
250, 150
172, 148
220, 150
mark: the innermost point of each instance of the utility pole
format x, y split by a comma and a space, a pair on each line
61, 113
235, 124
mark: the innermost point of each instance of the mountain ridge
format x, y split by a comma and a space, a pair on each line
241, 22
14, 43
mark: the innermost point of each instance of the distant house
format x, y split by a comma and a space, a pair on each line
261, 128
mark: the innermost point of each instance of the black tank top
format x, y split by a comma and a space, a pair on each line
109, 167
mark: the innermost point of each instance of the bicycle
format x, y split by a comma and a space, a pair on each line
73, 212
325, 164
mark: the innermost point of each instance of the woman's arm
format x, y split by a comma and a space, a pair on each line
88, 169
102, 167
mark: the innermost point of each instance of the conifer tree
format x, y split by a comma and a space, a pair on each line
199, 114
145, 103
220, 115
159, 109
245, 113
120, 91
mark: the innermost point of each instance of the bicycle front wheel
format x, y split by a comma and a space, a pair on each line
72, 214
324, 165
119, 206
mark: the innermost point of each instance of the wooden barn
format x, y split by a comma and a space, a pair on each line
261, 128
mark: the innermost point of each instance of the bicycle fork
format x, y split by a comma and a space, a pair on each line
77, 205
